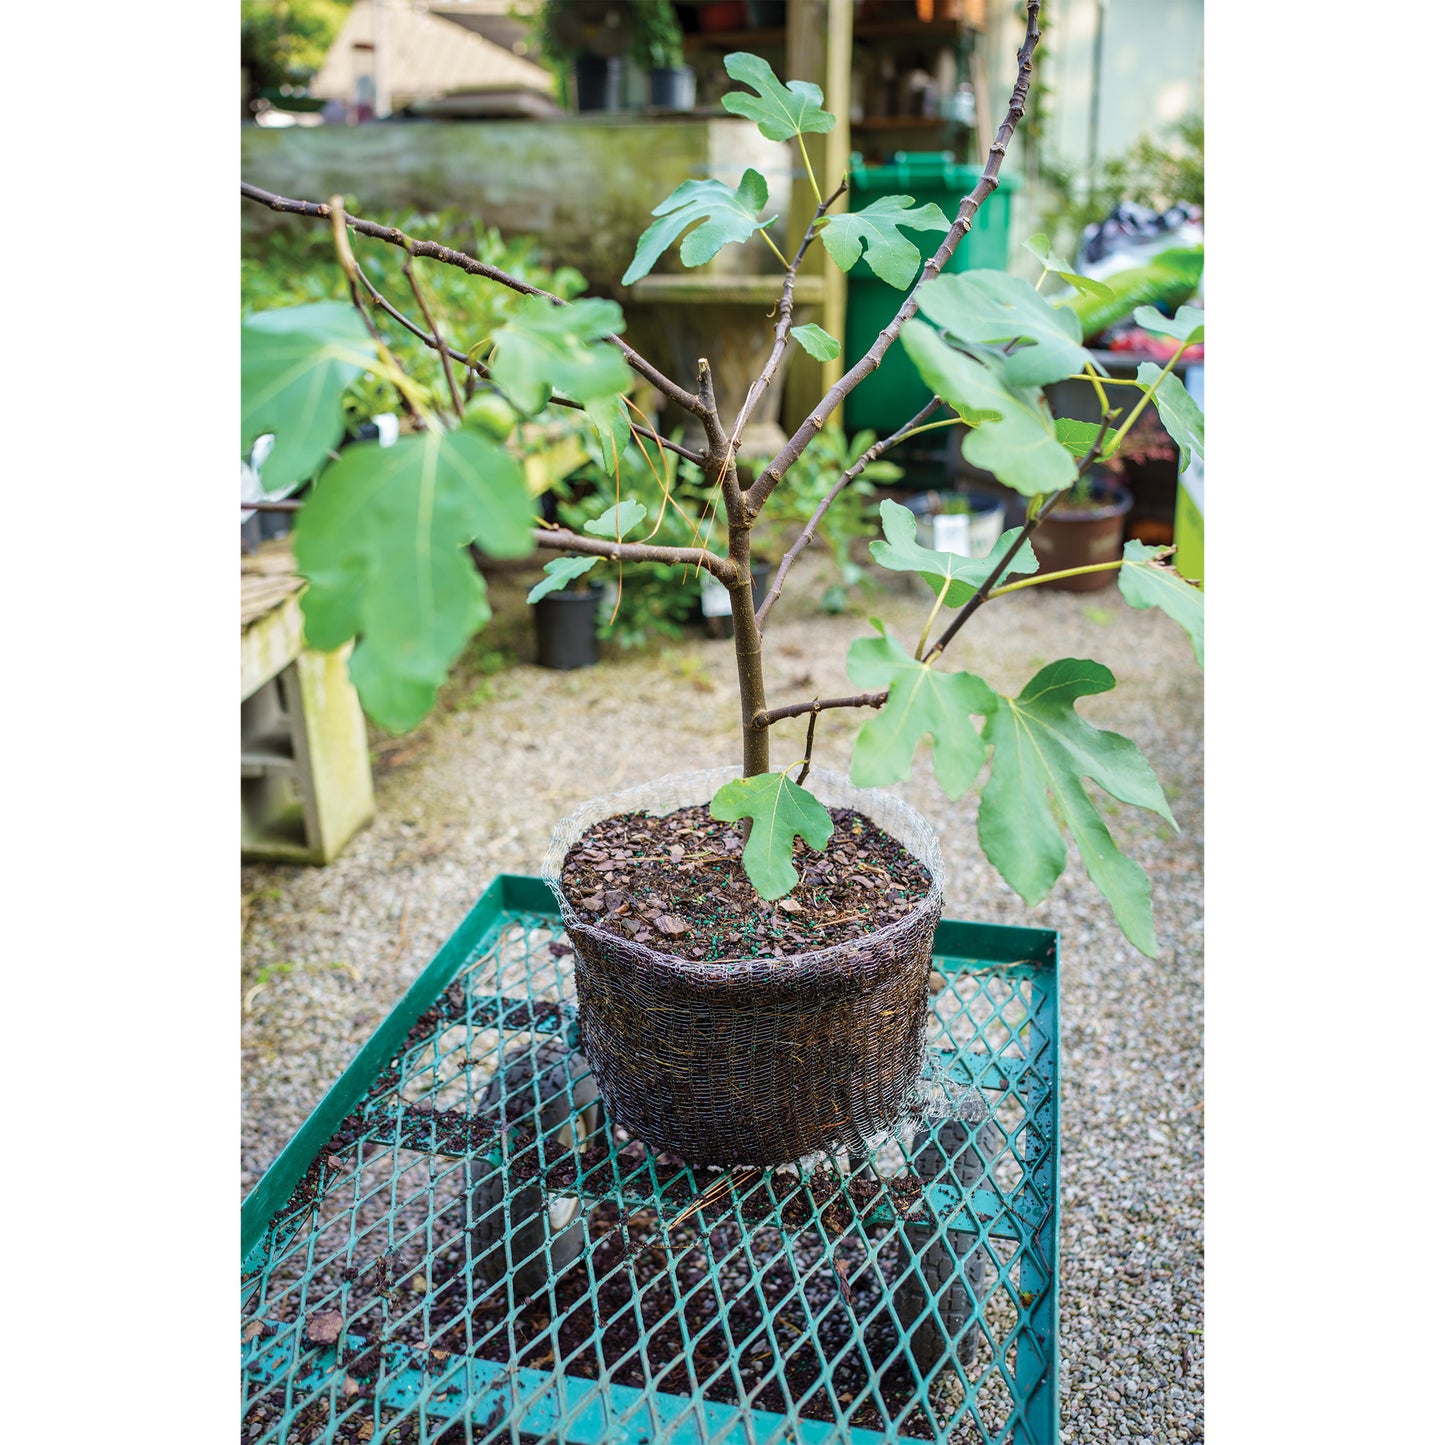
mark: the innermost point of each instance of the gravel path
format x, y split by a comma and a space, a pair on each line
326, 953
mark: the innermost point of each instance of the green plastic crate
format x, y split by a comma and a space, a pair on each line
893, 393
455, 1247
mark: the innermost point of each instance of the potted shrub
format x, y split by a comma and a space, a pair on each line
589, 38
1082, 538
753, 946
657, 49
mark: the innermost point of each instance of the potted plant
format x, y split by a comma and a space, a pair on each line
1082, 538
589, 38
753, 946
657, 49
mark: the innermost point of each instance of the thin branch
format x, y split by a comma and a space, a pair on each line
853, 472
762, 488
478, 369
440, 345
284, 506
559, 539
437, 252
784, 327
763, 720
1029, 527
808, 749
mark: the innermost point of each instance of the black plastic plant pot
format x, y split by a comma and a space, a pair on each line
674, 89
599, 82
567, 628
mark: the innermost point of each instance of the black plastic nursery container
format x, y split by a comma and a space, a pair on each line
567, 628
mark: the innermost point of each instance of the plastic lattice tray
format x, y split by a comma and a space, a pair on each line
457, 1247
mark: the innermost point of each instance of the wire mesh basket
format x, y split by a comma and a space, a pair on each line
754, 1060
459, 1245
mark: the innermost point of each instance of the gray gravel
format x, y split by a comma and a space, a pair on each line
326, 953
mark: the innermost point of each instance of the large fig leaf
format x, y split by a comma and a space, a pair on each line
955, 576
780, 112
1177, 410
921, 700
382, 542
1145, 581
1042, 752
545, 347
295, 364
992, 307
781, 811
1018, 444
726, 215
816, 342
617, 521
893, 257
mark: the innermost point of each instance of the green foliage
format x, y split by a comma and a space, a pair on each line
1038, 245
413, 608
1014, 438
956, 577
1167, 279
990, 308
617, 521
781, 811
816, 342
1177, 410
1078, 437
544, 348
561, 572
288, 267
1144, 581
295, 365
892, 256
1154, 172
781, 112
1042, 752
656, 35
726, 215
921, 701
1186, 326
283, 42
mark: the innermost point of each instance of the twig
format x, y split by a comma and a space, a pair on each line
559, 539
441, 346
762, 720
808, 748
437, 252
852, 474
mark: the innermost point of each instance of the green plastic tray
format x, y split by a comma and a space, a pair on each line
431, 1259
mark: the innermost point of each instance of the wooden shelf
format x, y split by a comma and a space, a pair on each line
935, 30
771, 39
904, 122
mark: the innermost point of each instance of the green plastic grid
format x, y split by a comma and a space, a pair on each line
408, 1264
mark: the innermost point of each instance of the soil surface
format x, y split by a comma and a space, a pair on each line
677, 883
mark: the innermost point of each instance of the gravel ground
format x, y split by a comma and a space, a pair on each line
326, 953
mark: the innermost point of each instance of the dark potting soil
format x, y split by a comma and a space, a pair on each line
676, 883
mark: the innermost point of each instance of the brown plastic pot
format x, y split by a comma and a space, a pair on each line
1074, 536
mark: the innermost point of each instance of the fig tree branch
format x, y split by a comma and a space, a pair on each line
438, 344
764, 720
806, 536
773, 473
785, 319
1025, 532
437, 252
559, 539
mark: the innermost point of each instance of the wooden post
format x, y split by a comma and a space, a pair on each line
820, 49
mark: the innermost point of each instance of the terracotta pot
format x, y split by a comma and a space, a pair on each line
1074, 536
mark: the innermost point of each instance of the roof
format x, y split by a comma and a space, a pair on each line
430, 57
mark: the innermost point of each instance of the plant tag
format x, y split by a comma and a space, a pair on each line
951, 533
715, 599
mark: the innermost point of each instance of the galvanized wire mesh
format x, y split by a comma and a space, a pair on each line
754, 1060
471, 1253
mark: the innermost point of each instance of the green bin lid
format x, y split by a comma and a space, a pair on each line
930, 170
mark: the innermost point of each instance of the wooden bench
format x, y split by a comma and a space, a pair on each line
305, 768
